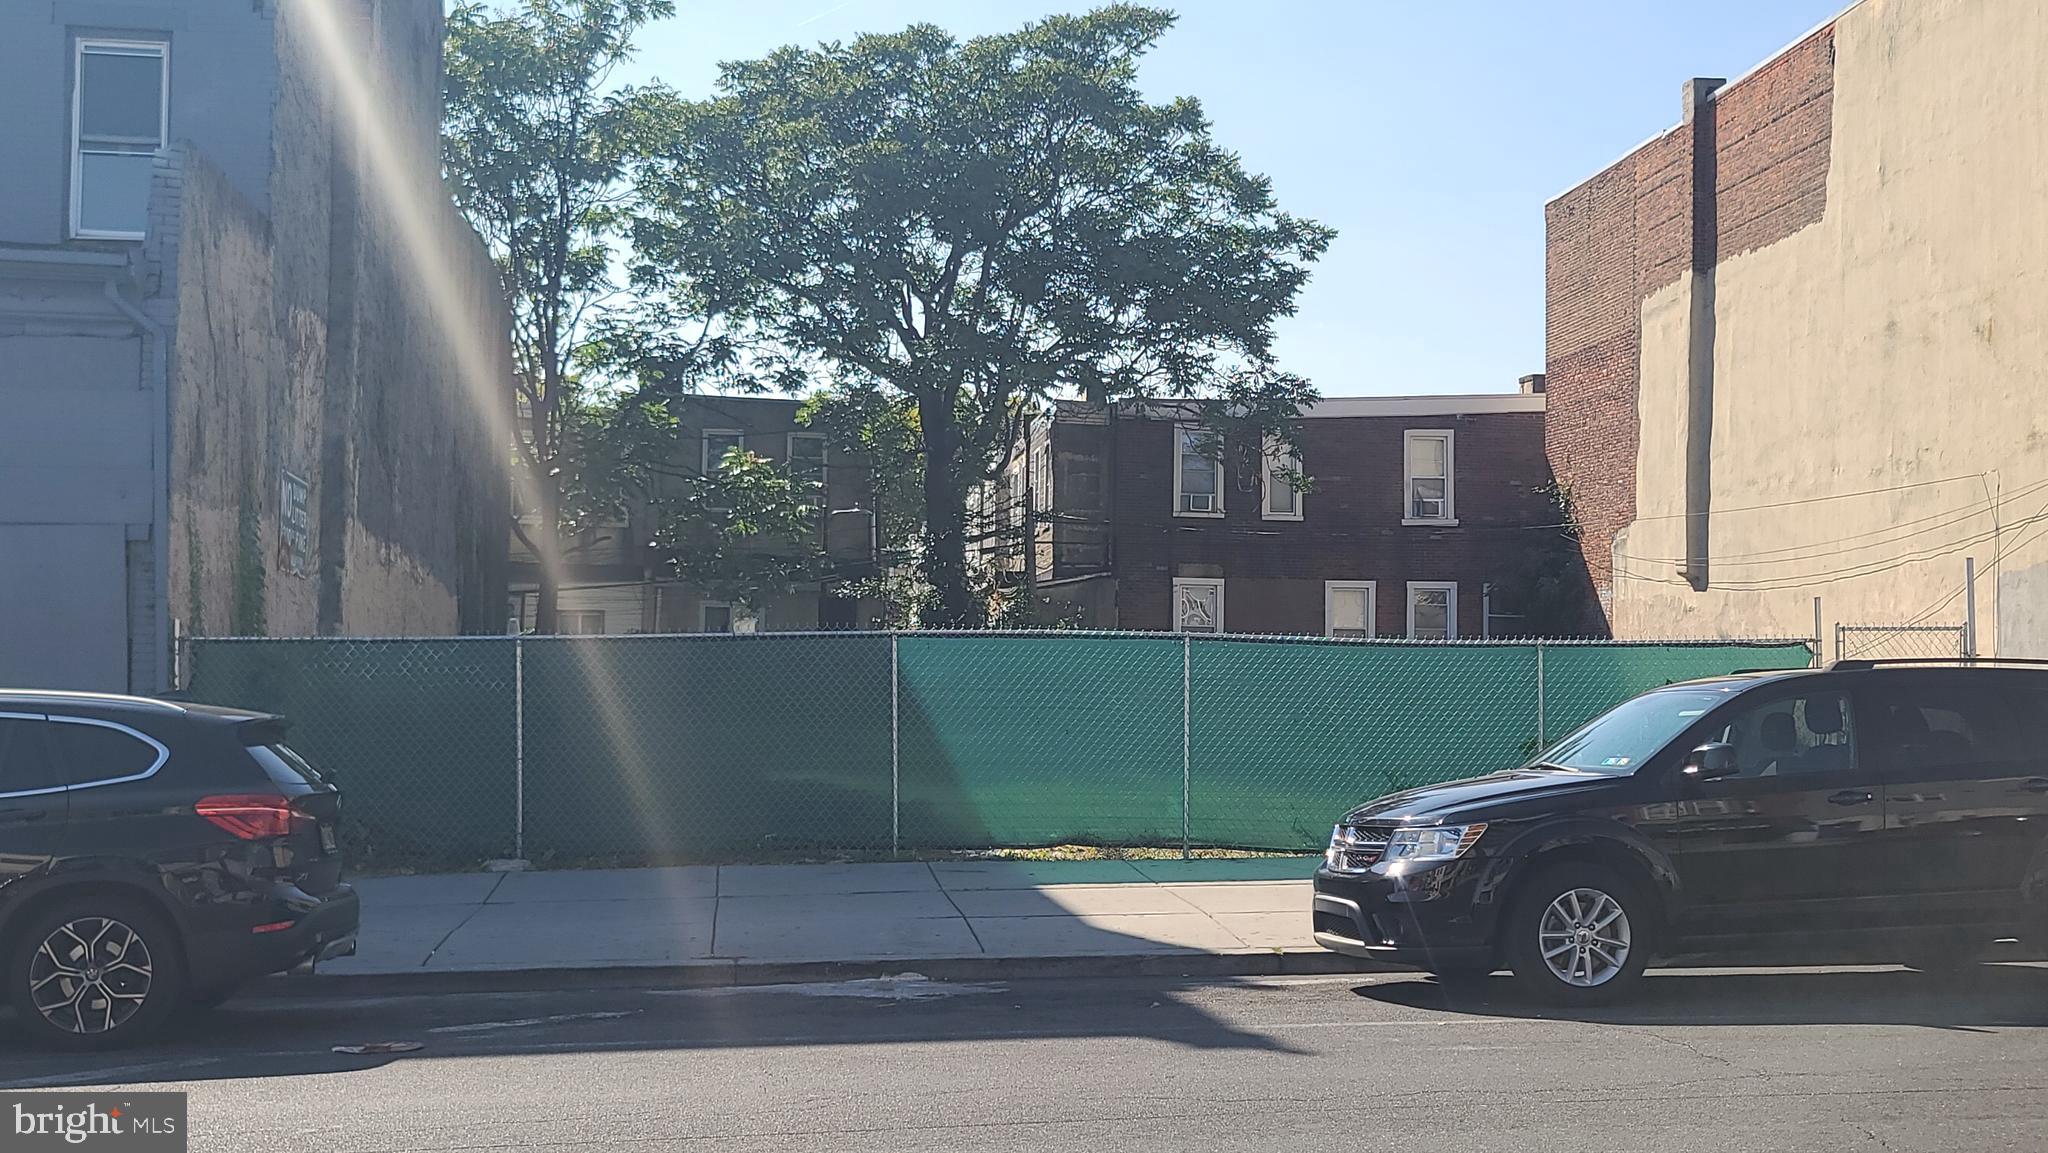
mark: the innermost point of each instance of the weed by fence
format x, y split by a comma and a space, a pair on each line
719, 747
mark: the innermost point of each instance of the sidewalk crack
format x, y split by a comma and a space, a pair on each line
958, 911
429, 959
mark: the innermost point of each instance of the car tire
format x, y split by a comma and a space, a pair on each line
95, 972
1599, 917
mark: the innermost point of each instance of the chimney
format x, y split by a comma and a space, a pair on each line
1532, 384
1703, 242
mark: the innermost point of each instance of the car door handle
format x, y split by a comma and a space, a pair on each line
2036, 785
1851, 797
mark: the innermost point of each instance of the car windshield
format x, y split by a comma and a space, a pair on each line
1619, 740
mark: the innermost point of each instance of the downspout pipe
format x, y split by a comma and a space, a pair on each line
160, 461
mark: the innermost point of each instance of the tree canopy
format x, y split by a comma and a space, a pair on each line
974, 227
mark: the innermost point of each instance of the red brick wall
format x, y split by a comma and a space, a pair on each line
1626, 232
1351, 529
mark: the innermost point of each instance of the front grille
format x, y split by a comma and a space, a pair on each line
1355, 849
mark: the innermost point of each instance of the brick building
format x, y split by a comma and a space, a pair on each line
1418, 520
233, 380
1794, 343
613, 581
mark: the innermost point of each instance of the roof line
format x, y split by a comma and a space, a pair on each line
1759, 66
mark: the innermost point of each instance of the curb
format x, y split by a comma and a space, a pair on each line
723, 974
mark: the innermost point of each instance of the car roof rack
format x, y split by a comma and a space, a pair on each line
1993, 662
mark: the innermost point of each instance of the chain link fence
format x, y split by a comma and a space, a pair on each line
780, 745
1892, 642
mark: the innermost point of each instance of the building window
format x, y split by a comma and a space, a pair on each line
580, 622
120, 114
1282, 500
1197, 605
1348, 608
807, 460
1197, 474
714, 617
718, 442
1432, 610
1431, 493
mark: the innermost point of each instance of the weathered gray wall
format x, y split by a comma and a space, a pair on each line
222, 74
319, 340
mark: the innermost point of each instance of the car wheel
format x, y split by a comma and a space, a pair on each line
1579, 935
98, 972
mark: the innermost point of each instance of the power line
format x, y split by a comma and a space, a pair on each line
1818, 499
1797, 552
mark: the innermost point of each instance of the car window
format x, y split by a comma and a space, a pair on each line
1938, 723
97, 752
1791, 736
1622, 738
284, 766
25, 760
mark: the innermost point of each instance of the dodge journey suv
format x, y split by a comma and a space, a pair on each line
1897, 810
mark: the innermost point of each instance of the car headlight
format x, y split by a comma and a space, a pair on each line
1438, 843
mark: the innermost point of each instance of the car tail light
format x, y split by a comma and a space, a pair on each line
250, 816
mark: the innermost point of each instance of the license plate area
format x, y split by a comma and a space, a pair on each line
327, 838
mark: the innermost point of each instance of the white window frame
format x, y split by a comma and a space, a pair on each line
603, 626
1450, 606
1278, 455
824, 452
1408, 478
161, 49
1181, 582
1371, 589
704, 445
1179, 434
732, 617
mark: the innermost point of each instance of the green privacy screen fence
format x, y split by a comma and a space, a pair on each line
716, 747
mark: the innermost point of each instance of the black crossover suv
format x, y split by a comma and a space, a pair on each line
153, 854
1885, 810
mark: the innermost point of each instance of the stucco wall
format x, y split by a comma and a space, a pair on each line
1879, 375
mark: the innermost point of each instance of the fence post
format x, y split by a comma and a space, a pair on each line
895, 756
1187, 643
1541, 744
518, 748
1816, 633
1970, 606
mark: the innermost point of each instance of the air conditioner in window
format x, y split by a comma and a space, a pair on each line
1200, 502
1428, 509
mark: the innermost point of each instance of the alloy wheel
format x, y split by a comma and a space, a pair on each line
90, 975
1584, 937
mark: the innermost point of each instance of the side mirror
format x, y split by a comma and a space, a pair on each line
1711, 761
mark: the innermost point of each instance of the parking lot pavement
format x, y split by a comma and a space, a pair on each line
1705, 1061
795, 914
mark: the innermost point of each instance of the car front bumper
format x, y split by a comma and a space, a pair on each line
1427, 919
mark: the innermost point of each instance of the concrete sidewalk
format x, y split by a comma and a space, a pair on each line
722, 924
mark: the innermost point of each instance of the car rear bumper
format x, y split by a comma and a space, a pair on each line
1400, 920
320, 928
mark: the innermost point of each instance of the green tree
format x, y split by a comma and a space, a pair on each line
540, 148
969, 226
743, 532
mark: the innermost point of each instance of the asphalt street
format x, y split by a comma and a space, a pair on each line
1819, 1059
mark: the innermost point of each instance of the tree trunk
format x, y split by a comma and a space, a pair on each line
548, 552
945, 519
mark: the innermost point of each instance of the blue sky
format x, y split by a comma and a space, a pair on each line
1428, 134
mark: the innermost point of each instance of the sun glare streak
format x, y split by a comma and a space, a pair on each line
414, 198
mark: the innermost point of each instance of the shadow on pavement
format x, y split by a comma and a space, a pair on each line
1975, 997
282, 1038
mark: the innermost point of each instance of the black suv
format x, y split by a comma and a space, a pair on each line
1893, 810
153, 854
